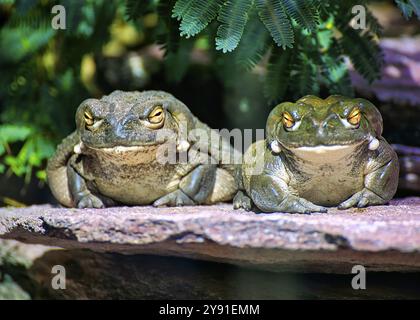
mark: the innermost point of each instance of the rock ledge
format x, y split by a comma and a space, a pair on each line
383, 238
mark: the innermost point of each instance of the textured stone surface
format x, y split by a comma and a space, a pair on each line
382, 238
25, 272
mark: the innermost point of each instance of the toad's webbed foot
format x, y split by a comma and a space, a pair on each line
362, 199
294, 204
241, 200
175, 198
88, 200
271, 194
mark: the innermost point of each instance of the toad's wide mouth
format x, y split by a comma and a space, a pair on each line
326, 149
125, 149
322, 147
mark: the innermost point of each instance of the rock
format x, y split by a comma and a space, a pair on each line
93, 275
400, 78
382, 238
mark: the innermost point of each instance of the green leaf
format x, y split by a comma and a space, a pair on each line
7, 2
16, 44
407, 7
415, 4
41, 175
303, 12
305, 77
274, 17
233, 16
373, 23
10, 133
197, 16
181, 8
366, 56
253, 44
324, 38
276, 82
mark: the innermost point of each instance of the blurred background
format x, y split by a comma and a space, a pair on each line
228, 61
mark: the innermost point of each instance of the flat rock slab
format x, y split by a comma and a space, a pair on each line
382, 238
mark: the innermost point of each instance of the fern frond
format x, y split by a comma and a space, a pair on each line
326, 9
233, 16
407, 7
181, 8
339, 81
303, 12
195, 15
32, 19
168, 34
373, 23
275, 19
254, 43
366, 56
304, 80
277, 78
334, 72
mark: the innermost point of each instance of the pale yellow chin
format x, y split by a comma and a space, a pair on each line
122, 155
325, 153
123, 149
324, 149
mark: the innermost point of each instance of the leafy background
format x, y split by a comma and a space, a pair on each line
279, 49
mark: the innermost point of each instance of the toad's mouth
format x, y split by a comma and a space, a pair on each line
124, 149
326, 149
118, 149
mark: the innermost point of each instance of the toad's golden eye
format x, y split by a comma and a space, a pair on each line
157, 116
88, 118
288, 120
355, 116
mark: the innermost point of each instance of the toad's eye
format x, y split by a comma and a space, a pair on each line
288, 121
89, 121
156, 118
354, 116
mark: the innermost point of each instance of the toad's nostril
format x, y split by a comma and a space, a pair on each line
330, 121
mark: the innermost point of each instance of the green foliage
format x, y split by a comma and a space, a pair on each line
408, 7
247, 31
40, 77
273, 15
296, 47
254, 43
303, 12
233, 17
278, 74
195, 15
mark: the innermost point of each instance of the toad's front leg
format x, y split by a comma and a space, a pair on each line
194, 188
381, 179
80, 193
272, 194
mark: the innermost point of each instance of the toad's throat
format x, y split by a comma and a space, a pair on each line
328, 175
